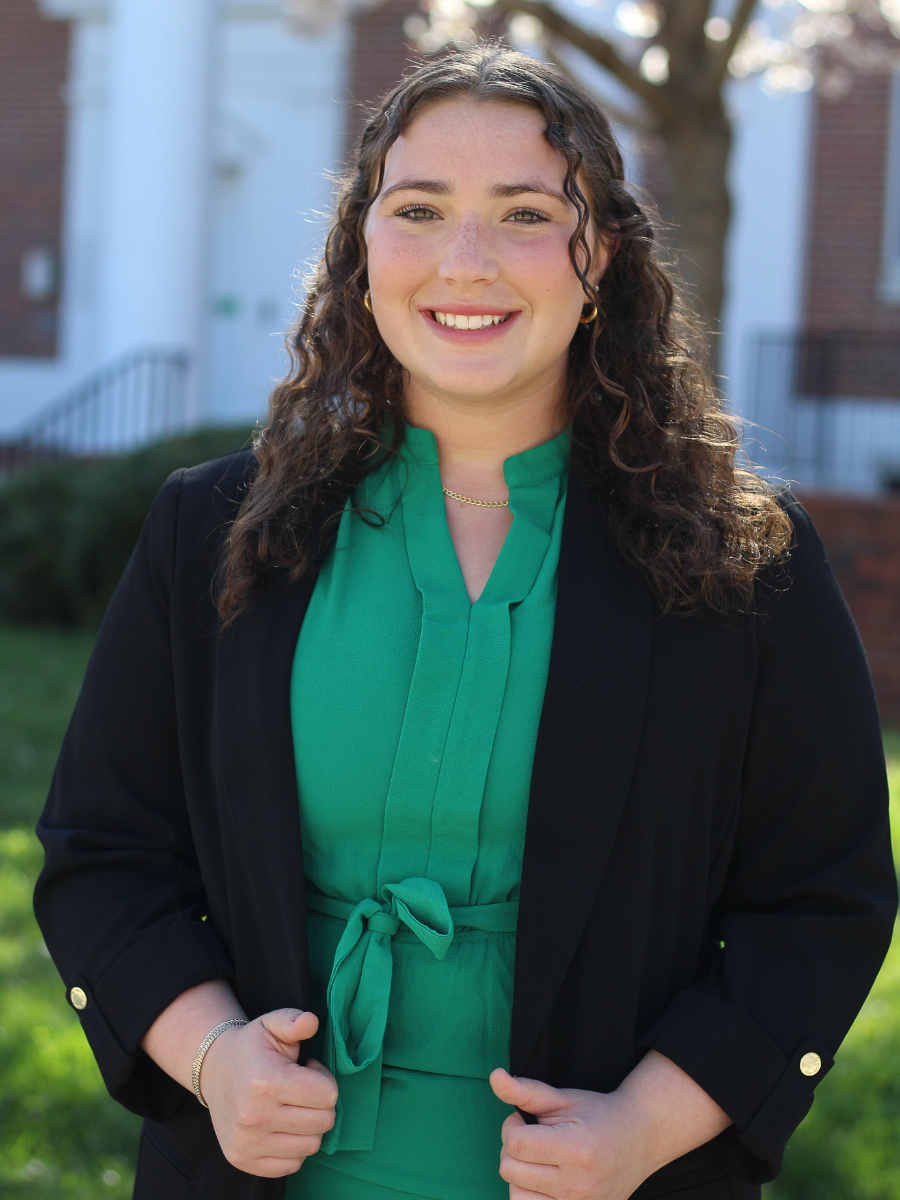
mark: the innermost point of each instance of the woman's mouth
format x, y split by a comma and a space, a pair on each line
473, 321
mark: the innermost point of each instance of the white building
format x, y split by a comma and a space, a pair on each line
201, 140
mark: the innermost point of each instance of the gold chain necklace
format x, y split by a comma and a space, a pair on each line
479, 503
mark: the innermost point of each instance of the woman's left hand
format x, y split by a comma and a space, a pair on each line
598, 1145
587, 1146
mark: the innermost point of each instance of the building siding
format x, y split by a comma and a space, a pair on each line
33, 67
379, 55
846, 210
862, 540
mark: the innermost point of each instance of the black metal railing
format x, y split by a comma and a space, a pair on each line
135, 399
826, 407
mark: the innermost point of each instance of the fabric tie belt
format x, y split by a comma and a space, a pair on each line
359, 989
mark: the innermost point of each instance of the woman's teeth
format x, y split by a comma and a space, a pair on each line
459, 321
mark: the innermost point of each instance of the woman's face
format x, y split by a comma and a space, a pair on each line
471, 282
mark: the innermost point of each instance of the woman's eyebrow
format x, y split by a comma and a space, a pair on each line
436, 187
442, 187
516, 189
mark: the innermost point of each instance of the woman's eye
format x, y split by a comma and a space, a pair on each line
527, 216
416, 212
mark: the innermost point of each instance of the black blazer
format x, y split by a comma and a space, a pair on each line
707, 862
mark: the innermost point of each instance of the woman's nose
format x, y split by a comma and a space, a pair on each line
468, 255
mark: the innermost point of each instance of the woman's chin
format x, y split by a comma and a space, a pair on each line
470, 387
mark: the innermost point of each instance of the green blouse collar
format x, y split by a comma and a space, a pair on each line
540, 463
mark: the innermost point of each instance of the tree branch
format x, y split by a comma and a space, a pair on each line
682, 31
594, 46
639, 122
740, 21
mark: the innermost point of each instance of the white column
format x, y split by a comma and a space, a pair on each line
84, 198
153, 287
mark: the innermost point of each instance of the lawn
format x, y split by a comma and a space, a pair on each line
61, 1135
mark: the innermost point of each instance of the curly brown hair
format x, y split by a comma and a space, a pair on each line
650, 433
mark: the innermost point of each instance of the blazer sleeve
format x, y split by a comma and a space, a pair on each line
120, 900
807, 909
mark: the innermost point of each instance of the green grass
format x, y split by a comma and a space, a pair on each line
62, 1136
60, 1133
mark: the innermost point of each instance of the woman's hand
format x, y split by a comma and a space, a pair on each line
599, 1146
587, 1146
269, 1114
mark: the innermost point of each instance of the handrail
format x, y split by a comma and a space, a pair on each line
826, 408
131, 400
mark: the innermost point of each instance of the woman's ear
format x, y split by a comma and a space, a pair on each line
602, 257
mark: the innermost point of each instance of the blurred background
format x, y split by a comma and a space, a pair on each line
166, 174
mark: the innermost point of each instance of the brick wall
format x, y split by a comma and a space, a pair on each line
862, 538
846, 210
847, 180
33, 69
379, 55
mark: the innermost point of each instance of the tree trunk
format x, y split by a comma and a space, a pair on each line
697, 144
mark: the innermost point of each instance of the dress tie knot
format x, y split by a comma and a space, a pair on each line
359, 990
382, 922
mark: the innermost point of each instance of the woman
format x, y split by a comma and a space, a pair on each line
590, 870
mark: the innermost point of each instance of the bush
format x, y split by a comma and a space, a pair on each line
67, 528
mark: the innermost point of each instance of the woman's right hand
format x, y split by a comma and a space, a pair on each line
269, 1114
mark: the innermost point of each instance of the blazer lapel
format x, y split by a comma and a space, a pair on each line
258, 774
584, 759
259, 779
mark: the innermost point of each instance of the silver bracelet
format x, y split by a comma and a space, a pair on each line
201, 1054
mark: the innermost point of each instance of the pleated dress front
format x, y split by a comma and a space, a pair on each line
415, 715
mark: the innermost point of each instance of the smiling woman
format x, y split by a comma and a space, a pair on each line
460, 244
527, 217
472, 289
477, 787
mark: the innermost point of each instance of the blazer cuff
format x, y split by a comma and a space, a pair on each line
766, 1093
118, 1009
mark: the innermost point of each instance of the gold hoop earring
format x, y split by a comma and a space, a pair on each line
367, 301
586, 318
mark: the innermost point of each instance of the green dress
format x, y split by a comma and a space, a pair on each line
415, 715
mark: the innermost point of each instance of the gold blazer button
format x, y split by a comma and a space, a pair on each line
810, 1064
79, 999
